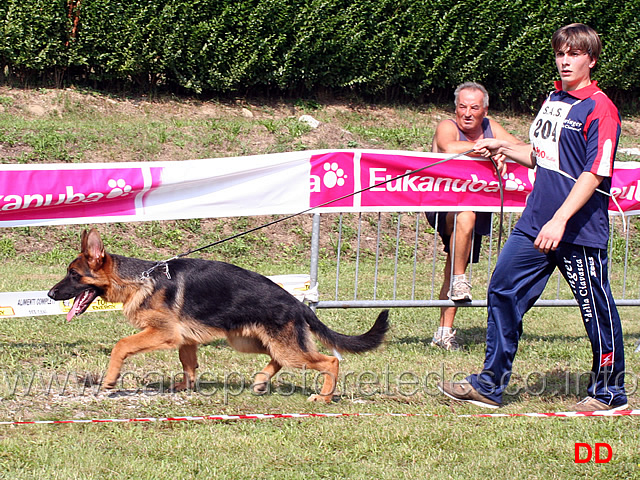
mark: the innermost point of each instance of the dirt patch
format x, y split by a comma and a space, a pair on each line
13, 153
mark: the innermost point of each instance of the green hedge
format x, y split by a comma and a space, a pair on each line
383, 48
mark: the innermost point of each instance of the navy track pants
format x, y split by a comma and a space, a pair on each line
518, 280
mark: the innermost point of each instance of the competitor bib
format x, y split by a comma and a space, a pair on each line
545, 131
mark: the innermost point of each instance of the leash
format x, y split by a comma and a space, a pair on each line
164, 263
501, 185
607, 194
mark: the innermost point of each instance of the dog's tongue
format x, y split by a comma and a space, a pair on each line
81, 303
74, 309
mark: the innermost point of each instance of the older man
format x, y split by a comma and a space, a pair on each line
455, 136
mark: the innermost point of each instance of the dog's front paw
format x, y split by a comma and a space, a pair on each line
320, 398
109, 384
180, 387
260, 388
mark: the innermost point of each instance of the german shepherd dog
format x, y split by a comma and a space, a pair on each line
188, 302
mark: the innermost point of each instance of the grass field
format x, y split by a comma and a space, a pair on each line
47, 364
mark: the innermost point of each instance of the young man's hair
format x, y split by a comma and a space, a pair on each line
472, 86
579, 37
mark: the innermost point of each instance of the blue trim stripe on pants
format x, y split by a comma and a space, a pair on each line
518, 280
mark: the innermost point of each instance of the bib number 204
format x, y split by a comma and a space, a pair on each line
545, 129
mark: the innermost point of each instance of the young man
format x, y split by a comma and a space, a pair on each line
564, 225
455, 136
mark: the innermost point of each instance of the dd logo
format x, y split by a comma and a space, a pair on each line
584, 453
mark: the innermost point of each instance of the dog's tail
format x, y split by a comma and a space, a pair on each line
351, 343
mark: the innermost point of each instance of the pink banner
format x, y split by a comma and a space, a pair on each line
57, 194
625, 186
457, 183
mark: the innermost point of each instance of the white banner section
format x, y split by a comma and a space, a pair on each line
36, 303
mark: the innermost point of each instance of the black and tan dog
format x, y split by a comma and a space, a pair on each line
189, 302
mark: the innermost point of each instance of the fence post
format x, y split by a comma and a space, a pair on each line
315, 250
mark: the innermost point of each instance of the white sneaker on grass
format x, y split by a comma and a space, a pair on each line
446, 341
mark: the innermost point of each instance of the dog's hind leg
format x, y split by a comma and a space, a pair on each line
251, 344
329, 367
189, 359
145, 341
262, 379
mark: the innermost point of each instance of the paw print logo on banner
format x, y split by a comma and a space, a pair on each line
119, 188
331, 179
334, 175
512, 183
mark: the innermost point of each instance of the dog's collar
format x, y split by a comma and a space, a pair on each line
165, 263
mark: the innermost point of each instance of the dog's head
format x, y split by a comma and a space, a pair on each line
85, 279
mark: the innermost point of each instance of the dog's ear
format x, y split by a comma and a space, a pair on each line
83, 241
93, 249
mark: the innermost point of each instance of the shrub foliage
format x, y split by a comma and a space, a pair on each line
383, 48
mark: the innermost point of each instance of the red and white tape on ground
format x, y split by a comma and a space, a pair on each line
267, 416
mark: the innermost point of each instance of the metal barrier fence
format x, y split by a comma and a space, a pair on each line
383, 260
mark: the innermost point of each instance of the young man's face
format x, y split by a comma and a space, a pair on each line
574, 67
470, 110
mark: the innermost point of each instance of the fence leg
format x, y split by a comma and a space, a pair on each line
315, 251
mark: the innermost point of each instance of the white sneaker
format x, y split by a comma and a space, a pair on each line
447, 341
460, 291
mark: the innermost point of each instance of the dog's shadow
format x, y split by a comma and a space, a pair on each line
44, 345
208, 388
